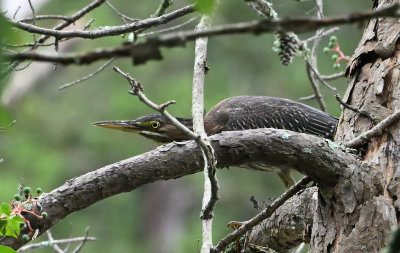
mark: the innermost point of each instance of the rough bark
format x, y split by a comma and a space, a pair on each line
290, 225
361, 211
309, 154
357, 214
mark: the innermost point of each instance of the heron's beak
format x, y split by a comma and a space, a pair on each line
123, 125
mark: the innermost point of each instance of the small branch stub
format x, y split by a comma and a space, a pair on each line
375, 131
267, 212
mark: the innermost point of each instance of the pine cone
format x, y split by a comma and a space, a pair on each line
289, 44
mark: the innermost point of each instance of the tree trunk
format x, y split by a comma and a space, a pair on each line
358, 212
361, 210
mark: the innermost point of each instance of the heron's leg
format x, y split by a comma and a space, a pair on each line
287, 179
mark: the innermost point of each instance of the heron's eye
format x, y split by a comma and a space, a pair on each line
155, 124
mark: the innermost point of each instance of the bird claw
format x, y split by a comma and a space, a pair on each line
234, 224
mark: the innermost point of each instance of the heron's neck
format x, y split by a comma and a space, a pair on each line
186, 122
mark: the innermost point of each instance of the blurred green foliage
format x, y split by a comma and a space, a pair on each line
4, 249
53, 139
204, 6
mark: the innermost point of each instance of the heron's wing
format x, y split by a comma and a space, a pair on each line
247, 112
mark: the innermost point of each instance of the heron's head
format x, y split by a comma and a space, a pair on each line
154, 126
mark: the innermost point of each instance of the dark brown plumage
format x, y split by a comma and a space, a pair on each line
251, 112
239, 113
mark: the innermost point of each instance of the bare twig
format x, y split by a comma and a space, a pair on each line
28, 45
162, 8
88, 24
315, 86
333, 76
85, 239
24, 67
44, 17
112, 31
312, 96
137, 90
73, 18
123, 17
318, 76
85, 27
322, 34
210, 195
199, 73
168, 29
375, 131
102, 67
15, 13
267, 212
52, 244
56, 242
311, 63
33, 22
166, 104
354, 109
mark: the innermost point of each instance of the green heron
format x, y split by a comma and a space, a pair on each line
239, 113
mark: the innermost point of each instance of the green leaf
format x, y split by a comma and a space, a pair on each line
4, 249
18, 219
13, 226
3, 226
204, 6
5, 208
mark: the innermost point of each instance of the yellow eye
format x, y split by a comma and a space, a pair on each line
155, 124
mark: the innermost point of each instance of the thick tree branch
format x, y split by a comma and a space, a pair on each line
306, 153
150, 49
